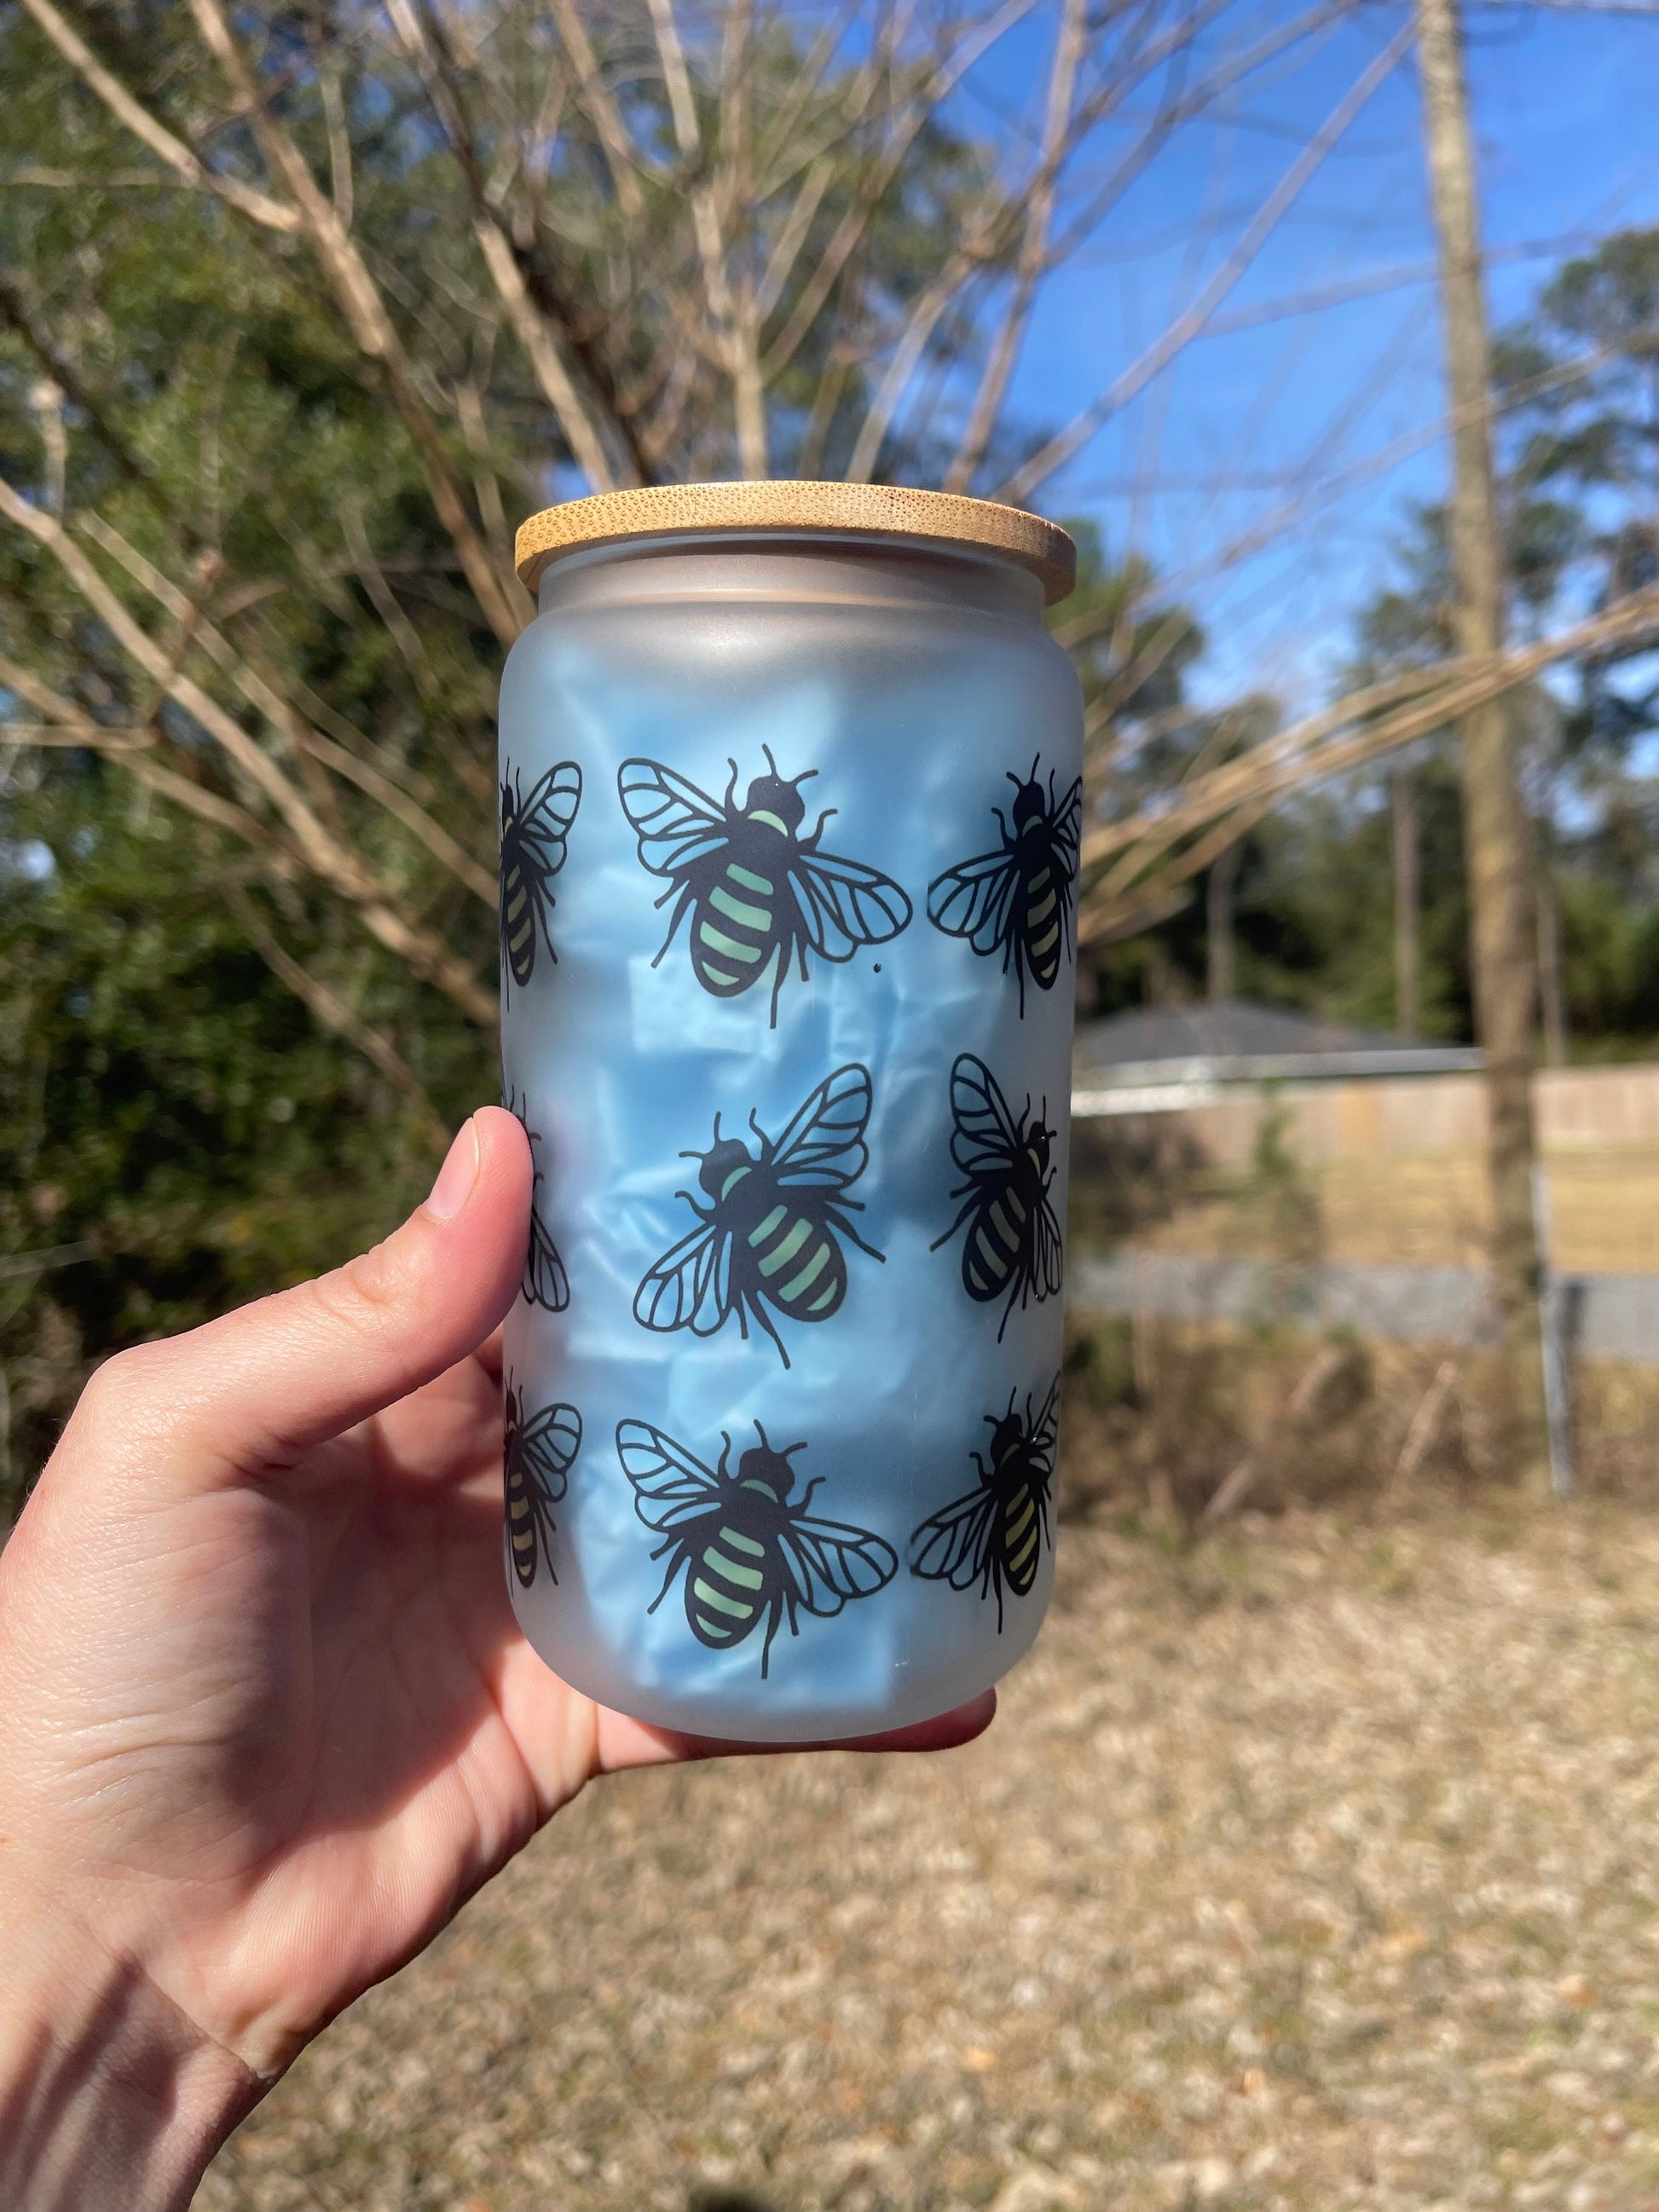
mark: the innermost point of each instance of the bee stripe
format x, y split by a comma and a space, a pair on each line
786, 1251
719, 1631
1045, 942
1005, 1230
750, 917
1041, 912
728, 946
758, 1235
825, 1297
749, 881
739, 1542
808, 1275
744, 1577
732, 1607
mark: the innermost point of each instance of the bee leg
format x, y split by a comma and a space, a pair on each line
764, 1319
673, 1546
833, 1214
970, 1207
774, 1615
688, 897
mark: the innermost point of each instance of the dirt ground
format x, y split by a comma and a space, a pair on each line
1316, 1870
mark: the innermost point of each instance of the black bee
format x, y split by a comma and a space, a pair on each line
749, 1554
1019, 899
757, 890
769, 1232
540, 1448
997, 1532
533, 831
545, 1282
1013, 1241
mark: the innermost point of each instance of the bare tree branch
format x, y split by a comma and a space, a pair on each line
312, 843
1065, 444
337, 1018
1034, 245
146, 127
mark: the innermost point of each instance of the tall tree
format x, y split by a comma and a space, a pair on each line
1498, 847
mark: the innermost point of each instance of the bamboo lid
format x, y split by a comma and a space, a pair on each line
609, 518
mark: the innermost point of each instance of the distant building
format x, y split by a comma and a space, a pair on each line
1169, 1060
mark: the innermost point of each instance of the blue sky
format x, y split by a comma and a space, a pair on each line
1563, 108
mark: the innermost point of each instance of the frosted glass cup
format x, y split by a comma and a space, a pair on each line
790, 812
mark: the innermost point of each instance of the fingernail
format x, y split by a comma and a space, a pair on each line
456, 1176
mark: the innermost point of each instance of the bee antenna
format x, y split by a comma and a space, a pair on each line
761, 1432
789, 1450
1036, 758
806, 776
691, 1156
1017, 782
770, 762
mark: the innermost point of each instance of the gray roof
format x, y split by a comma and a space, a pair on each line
1237, 1041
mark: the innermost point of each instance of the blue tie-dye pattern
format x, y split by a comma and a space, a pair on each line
911, 718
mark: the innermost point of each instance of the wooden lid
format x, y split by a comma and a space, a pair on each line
609, 518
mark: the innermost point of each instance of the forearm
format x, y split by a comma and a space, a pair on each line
108, 2097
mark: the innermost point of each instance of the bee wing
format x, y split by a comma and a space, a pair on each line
691, 1286
1045, 1430
975, 900
984, 1137
551, 1440
824, 1144
843, 904
550, 808
674, 823
830, 1562
1048, 1252
1068, 825
950, 1545
670, 1486
545, 1282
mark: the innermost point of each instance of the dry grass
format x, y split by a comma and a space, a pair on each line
1316, 1869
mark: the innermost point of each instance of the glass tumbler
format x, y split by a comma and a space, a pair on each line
791, 801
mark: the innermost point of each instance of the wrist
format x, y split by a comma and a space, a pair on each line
108, 2093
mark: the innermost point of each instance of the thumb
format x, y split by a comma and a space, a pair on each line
252, 1393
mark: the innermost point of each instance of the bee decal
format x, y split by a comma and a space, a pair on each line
545, 1282
534, 833
769, 1235
757, 892
540, 1448
1013, 1241
1018, 899
996, 1535
749, 1554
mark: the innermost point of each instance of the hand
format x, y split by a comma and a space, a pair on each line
266, 1718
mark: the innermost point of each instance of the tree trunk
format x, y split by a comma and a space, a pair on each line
1497, 846
1408, 901
1551, 987
1218, 922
